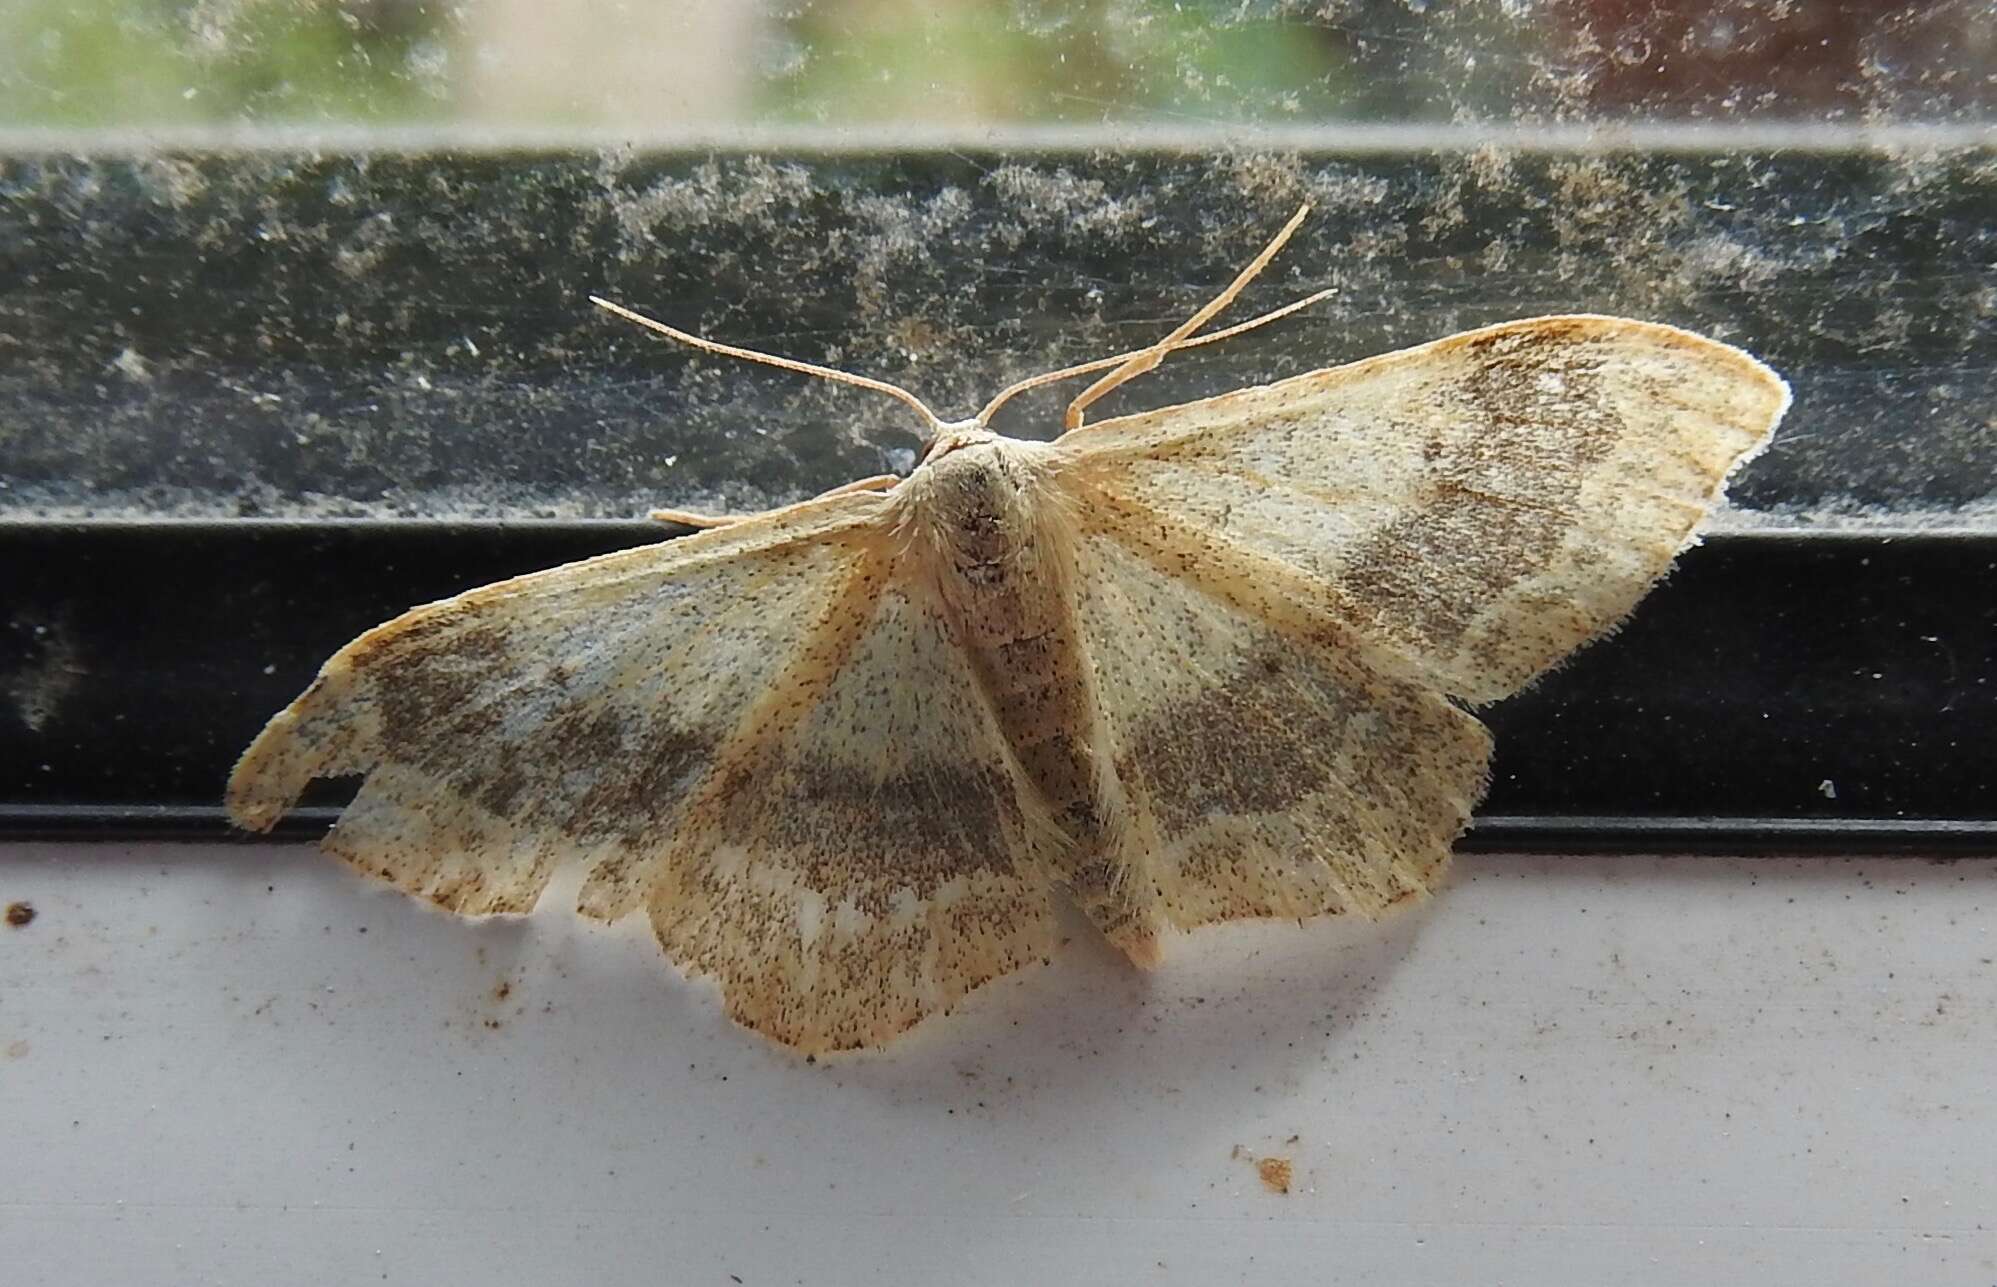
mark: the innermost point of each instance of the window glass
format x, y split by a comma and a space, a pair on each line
279, 257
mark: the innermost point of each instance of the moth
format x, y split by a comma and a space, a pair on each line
1196, 664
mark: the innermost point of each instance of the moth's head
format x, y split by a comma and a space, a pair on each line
974, 488
950, 436
974, 496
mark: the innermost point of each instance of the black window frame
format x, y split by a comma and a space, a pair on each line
1798, 684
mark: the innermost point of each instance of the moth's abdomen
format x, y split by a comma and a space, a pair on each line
1027, 652
1007, 586
1021, 632
1042, 700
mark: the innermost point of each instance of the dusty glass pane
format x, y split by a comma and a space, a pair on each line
653, 66
281, 258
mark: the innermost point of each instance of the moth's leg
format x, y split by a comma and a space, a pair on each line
1149, 359
687, 518
876, 483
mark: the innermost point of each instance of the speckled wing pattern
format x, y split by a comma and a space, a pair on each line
1479, 506
1278, 586
758, 736
1229, 637
1272, 765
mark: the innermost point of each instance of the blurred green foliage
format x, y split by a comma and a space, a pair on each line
1078, 62
166, 62
606, 62
159, 62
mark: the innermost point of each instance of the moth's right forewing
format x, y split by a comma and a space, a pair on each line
1478, 506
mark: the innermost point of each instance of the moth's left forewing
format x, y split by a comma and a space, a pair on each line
763, 737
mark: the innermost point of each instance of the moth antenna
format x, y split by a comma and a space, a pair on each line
771, 359
1148, 359
1012, 390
